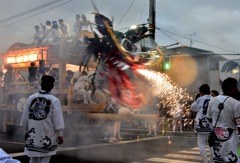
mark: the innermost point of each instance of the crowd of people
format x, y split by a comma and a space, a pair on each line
218, 121
52, 32
35, 75
218, 114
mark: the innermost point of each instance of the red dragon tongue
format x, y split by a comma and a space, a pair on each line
127, 96
141, 98
128, 85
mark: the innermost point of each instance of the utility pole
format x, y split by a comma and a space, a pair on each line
152, 16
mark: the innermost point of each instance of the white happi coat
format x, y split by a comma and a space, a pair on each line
42, 118
202, 125
227, 143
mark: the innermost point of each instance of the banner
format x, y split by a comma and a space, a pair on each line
229, 69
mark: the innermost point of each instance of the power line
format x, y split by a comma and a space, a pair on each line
142, 11
171, 37
29, 11
125, 13
196, 40
161, 30
123, 28
36, 14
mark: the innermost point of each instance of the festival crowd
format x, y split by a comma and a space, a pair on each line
52, 32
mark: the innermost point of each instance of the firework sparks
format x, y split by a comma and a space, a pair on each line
169, 93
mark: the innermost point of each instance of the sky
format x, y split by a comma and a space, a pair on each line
215, 22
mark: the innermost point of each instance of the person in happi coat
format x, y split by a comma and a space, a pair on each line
226, 145
43, 121
202, 125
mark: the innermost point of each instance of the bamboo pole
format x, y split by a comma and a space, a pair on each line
122, 117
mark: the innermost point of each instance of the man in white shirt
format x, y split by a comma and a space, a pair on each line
46, 32
64, 27
37, 36
84, 25
226, 145
56, 33
43, 121
76, 26
80, 90
202, 125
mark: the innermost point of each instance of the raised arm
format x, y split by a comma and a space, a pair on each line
195, 107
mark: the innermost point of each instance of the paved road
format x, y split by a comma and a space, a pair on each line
136, 147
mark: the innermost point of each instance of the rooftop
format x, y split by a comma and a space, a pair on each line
186, 50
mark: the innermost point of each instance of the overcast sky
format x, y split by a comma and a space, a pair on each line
215, 22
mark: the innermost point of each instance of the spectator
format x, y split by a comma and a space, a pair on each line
48, 24
176, 111
84, 25
64, 27
43, 121
202, 126
54, 73
164, 115
37, 36
228, 120
54, 23
46, 32
8, 76
41, 70
32, 73
56, 33
19, 77
71, 80
150, 123
76, 26
80, 90
214, 93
